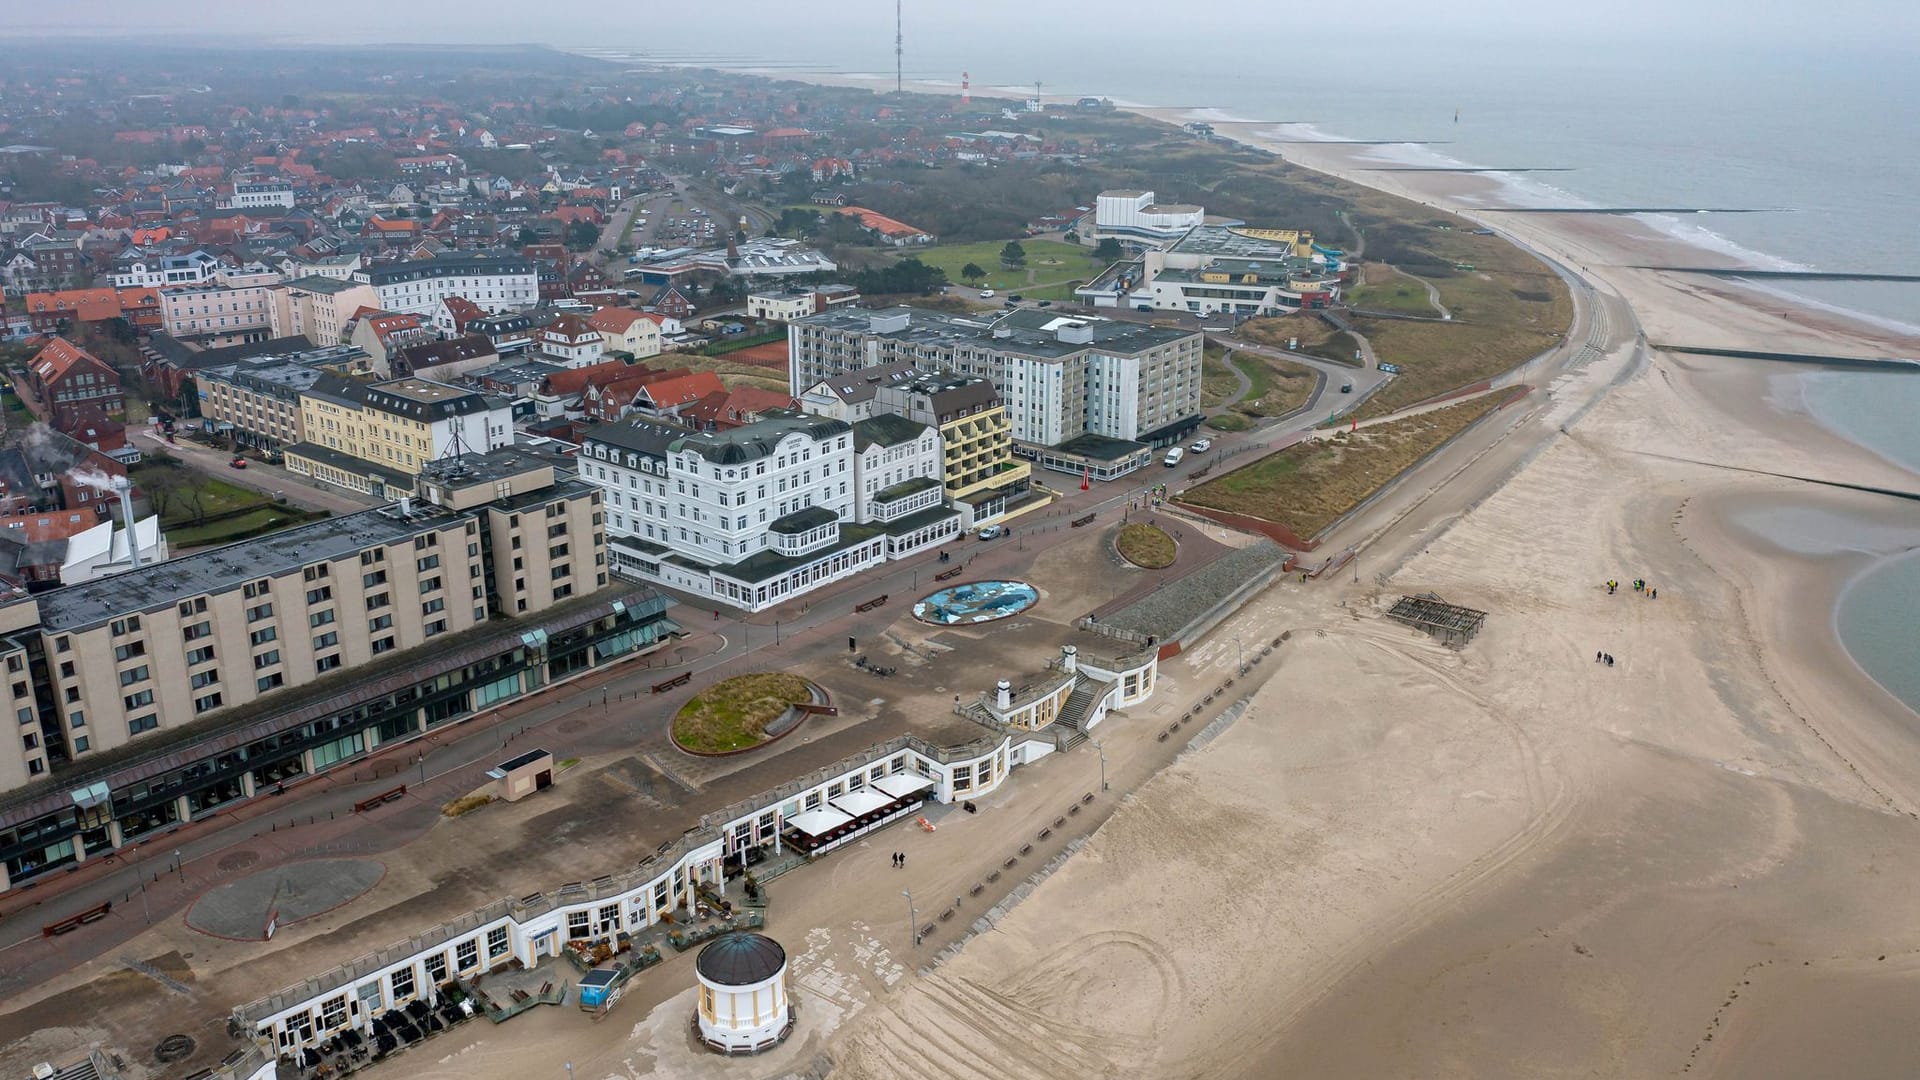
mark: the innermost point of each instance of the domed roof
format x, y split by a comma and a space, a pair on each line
740, 958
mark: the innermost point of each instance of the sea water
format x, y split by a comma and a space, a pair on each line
1878, 618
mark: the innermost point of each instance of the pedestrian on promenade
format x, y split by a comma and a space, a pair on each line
1599, 656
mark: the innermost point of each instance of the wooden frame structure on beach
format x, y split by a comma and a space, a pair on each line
1451, 623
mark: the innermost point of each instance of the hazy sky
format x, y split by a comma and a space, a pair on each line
766, 28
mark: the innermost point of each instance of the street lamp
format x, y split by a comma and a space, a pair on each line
1103, 763
913, 917
1243, 653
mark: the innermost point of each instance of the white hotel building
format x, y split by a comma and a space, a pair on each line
494, 282
751, 516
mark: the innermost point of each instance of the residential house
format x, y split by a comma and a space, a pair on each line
569, 341
627, 331
733, 408
448, 360
383, 334
62, 377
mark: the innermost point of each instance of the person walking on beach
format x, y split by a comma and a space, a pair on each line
1599, 656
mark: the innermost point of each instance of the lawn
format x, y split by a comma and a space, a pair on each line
1145, 546
1217, 380
1388, 289
266, 519
733, 714
1279, 386
1498, 324
216, 496
1229, 421
1047, 261
1309, 485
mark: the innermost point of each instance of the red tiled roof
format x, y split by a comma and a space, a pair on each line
59, 357
683, 390
84, 305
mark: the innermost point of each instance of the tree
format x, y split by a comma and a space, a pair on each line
1108, 250
1013, 255
1072, 236
527, 237
582, 235
972, 272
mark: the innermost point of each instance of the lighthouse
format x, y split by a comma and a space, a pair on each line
966, 88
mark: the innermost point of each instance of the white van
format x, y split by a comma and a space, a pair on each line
1174, 455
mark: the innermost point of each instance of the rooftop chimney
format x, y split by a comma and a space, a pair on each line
124, 490
1003, 695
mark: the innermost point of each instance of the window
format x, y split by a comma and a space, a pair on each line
426, 564
380, 623
315, 572
436, 966
128, 625
429, 585
379, 600
142, 723
82, 744
378, 577
133, 675
327, 663
556, 531
138, 700
402, 984
467, 954
320, 618
437, 626
496, 942
123, 652
327, 640
208, 703
381, 645
269, 682
264, 660
196, 606
202, 680
320, 595
262, 636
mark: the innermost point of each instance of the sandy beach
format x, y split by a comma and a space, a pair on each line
1510, 860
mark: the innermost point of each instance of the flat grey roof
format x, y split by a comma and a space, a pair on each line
152, 587
1023, 331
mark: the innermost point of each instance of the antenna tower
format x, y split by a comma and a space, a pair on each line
899, 46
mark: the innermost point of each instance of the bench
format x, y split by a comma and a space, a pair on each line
681, 679
871, 604
808, 708
1088, 520
379, 800
75, 922
953, 573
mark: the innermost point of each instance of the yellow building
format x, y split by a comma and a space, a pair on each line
982, 477
375, 437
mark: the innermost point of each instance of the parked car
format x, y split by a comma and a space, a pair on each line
986, 294
1015, 297
1346, 387
238, 462
991, 532
1174, 455
1201, 446
1046, 303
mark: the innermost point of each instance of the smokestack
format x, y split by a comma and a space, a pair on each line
124, 490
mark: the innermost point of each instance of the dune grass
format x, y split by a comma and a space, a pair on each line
733, 714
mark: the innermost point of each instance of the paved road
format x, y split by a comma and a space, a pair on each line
262, 477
